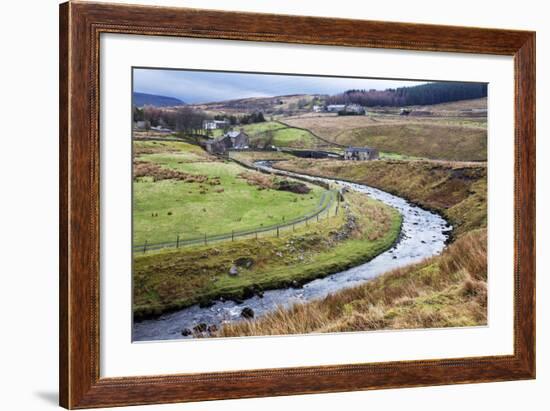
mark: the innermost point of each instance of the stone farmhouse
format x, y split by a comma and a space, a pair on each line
354, 109
342, 109
215, 124
232, 140
361, 153
335, 108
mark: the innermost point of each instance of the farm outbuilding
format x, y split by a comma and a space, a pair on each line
214, 146
361, 153
345, 109
351, 109
215, 124
163, 130
239, 139
236, 140
335, 108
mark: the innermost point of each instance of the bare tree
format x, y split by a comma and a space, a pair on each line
189, 120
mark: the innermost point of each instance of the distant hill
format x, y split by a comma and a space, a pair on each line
267, 105
144, 99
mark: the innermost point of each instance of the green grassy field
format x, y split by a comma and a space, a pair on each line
293, 137
282, 135
186, 151
251, 156
216, 133
172, 279
395, 156
258, 129
221, 201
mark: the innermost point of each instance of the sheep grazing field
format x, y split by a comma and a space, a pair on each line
179, 190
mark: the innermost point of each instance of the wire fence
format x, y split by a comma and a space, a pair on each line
327, 200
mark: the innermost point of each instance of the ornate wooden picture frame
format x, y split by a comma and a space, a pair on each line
81, 25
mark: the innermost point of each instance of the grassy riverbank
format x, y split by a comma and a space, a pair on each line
456, 190
444, 291
168, 280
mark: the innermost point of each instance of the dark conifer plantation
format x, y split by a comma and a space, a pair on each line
425, 94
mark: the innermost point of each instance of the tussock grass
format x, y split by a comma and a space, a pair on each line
444, 291
189, 151
457, 191
158, 173
435, 141
476, 103
258, 179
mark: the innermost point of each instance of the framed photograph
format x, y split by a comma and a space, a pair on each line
259, 205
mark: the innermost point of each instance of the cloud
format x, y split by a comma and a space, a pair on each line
205, 86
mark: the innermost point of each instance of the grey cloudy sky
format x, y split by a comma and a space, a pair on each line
204, 86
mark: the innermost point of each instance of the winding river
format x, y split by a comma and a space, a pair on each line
423, 235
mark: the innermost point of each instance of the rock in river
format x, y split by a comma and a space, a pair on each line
233, 271
247, 312
295, 284
186, 332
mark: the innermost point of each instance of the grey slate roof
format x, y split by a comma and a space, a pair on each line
232, 134
359, 149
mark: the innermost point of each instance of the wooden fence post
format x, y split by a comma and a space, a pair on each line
178, 241
232, 235
205, 242
277, 231
145, 247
